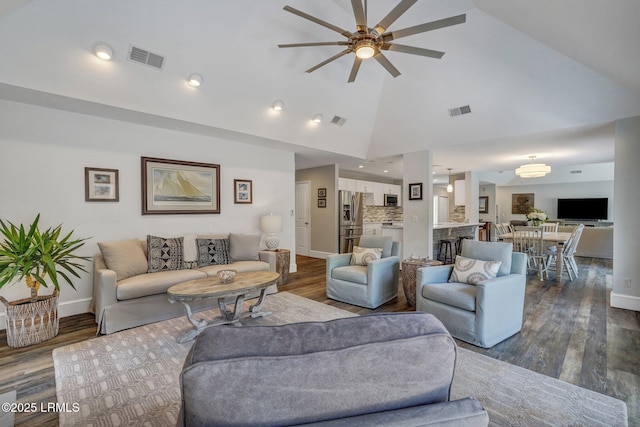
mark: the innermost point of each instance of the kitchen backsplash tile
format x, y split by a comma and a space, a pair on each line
382, 214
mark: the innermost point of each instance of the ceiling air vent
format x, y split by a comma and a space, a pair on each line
465, 109
145, 57
576, 171
337, 120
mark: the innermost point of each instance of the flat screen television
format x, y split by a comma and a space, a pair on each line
584, 209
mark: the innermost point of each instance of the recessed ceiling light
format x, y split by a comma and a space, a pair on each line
360, 166
103, 51
385, 171
195, 80
317, 118
277, 105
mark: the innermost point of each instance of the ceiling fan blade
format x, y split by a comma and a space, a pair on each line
358, 12
391, 17
354, 70
423, 28
344, 43
386, 64
326, 61
318, 21
412, 50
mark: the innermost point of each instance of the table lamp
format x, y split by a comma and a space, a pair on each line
271, 224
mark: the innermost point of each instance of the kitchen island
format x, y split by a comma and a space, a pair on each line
452, 230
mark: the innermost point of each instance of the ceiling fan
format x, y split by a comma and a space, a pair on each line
368, 42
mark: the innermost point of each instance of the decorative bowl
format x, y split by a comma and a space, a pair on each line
226, 276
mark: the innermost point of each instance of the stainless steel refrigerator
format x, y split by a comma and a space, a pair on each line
351, 205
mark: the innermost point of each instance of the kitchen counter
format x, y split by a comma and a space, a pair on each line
396, 226
445, 225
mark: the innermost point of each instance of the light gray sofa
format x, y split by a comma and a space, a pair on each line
392, 369
483, 314
122, 300
595, 242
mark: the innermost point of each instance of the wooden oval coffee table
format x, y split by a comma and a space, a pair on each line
211, 288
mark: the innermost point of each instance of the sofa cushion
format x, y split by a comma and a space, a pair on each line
351, 273
461, 295
146, 284
213, 252
244, 247
384, 242
489, 251
239, 266
472, 271
125, 257
362, 256
191, 246
165, 253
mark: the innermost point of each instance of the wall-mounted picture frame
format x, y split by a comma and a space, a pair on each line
101, 185
242, 191
322, 192
179, 187
521, 203
483, 204
322, 203
415, 191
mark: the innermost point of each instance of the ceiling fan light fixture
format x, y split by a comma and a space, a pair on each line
365, 52
533, 170
317, 118
102, 51
278, 105
195, 80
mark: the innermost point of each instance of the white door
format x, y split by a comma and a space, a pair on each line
303, 218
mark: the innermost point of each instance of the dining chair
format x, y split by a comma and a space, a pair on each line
503, 228
550, 227
568, 254
529, 240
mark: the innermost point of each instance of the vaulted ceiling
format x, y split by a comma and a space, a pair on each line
544, 77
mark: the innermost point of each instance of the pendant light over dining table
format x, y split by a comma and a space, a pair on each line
533, 170
449, 186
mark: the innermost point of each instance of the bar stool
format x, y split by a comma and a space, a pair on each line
459, 243
445, 248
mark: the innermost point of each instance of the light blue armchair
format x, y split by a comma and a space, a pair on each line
365, 286
483, 314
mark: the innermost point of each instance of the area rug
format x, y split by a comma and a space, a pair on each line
131, 378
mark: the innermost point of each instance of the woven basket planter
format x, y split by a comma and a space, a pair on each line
31, 322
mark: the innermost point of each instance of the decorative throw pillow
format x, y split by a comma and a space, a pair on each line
125, 257
244, 247
362, 256
164, 254
213, 252
472, 271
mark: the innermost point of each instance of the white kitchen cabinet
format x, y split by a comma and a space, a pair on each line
459, 192
364, 186
347, 184
378, 193
372, 229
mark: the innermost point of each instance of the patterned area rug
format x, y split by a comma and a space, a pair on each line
131, 378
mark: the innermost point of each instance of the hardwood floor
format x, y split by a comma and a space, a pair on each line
570, 332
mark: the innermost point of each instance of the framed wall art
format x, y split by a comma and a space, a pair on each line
322, 192
242, 191
415, 191
179, 187
101, 185
521, 203
322, 203
483, 204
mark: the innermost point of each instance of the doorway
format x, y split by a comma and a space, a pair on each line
303, 217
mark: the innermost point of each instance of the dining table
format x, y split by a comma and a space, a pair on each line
554, 238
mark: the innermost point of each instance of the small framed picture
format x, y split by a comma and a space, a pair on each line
484, 204
322, 203
242, 191
415, 191
322, 192
101, 185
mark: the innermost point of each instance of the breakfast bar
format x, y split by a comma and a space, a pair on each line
452, 230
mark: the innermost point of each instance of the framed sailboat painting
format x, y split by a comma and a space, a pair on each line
179, 187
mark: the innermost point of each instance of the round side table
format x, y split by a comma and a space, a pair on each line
409, 267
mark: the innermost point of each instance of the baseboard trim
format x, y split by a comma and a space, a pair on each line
319, 254
65, 309
627, 302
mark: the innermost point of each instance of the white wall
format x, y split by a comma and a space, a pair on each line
546, 196
43, 153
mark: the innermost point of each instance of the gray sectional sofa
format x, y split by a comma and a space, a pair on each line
126, 294
392, 369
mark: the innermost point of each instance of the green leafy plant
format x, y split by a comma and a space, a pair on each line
34, 254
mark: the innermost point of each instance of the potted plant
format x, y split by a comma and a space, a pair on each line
536, 217
36, 255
